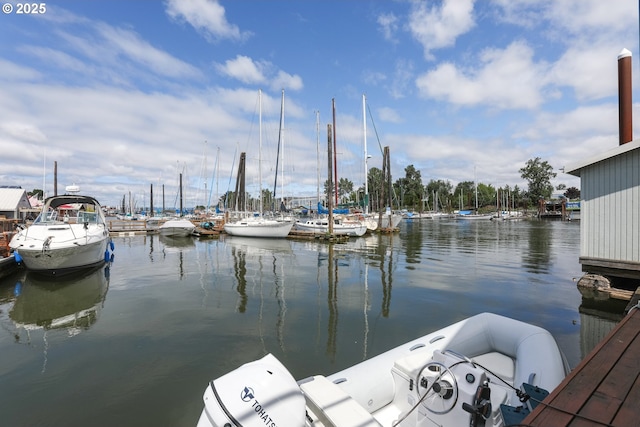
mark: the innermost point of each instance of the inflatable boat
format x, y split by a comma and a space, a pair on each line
476, 372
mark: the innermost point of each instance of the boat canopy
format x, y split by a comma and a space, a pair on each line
57, 201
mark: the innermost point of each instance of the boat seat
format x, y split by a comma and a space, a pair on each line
330, 406
498, 363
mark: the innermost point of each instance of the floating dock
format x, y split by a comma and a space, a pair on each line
604, 389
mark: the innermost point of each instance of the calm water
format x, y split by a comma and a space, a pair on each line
137, 343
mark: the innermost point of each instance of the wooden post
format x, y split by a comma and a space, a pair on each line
330, 179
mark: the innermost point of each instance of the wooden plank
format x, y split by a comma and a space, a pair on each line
588, 389
629, 409
604, 403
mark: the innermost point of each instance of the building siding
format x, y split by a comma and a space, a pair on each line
610, 209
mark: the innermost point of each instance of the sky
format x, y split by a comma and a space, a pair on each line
125, 95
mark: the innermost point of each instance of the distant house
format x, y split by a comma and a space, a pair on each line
610, 211
12, 200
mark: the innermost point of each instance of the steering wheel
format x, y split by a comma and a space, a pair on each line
442, 393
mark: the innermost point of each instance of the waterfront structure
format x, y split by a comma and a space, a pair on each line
12, 201
609, 215
610, 196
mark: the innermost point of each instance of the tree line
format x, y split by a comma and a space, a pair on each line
410, 192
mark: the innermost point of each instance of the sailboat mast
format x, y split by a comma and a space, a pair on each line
475, 184
318, 155
217, 176
335, 161
366, 158
280, 154
180, 195
260, 145
44, 174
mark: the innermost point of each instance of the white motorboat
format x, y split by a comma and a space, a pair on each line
177, 227
258, 227
340, 227
69, 234
466, 374
471, 216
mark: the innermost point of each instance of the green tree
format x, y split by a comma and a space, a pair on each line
486, 195
538, 175
572, 193
410, 189
345, 187
36, 192
374, 178
438, 190
464, 195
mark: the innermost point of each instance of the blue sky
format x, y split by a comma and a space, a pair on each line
124, 94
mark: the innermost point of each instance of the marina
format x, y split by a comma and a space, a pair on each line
464, 251
170, 314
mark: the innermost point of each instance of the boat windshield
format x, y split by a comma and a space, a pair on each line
90, 217
50, 215
54, 216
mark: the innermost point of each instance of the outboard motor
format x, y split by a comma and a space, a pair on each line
257, 394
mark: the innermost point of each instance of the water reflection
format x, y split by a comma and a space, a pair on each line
259, 262
175, 244
72, 303
538, 258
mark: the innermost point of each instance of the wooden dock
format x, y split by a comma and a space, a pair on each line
604, 389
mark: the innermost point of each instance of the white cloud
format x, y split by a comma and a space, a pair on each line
287, 81
388, 24
15, 72
401, 79
244, 69
207, 17
592, 71
25, 132
438, 27
389, 115
592, 17
127, 43
504, 78
248, 71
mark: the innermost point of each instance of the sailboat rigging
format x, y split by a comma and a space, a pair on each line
258, 226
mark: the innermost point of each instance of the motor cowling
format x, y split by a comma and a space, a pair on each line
258, 394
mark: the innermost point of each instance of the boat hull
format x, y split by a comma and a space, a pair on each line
59, 259
341, 229
177, 228
258, 228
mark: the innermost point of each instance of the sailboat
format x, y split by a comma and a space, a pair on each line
387, 219
259, 226
342, 225
476, 215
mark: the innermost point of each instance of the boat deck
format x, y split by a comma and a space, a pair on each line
604, 389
